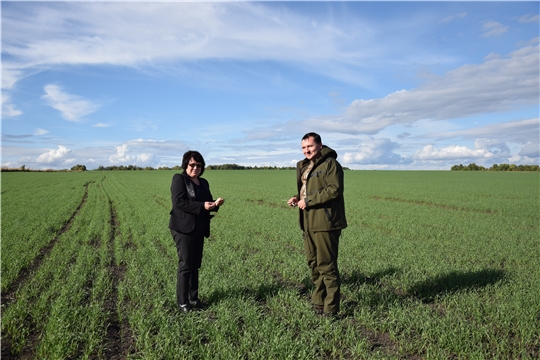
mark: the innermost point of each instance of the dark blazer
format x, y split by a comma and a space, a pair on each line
185, 210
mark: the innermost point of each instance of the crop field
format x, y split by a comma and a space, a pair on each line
434, 265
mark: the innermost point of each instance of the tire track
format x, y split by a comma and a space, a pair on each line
119, 341
8, 296
379, 341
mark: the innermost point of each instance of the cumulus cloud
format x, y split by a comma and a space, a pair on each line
530, 150
72, 107
466, 91
122, 157
430, 152
484, 149
374, 151
54, 156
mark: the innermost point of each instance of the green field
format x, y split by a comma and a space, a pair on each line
434, 265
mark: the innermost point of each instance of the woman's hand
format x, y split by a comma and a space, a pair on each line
209, 205
219, 201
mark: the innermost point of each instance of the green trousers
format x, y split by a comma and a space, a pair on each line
321, 255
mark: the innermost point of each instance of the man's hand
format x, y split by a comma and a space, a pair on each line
292, 201
301, 204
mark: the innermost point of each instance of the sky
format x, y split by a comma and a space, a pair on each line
388, 85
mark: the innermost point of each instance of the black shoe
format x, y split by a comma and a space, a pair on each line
197, 304
184, 308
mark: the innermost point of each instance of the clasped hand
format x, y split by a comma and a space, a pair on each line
295, 202
210, 205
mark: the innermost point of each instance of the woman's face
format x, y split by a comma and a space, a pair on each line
194, 168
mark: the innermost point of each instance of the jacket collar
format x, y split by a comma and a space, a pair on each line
189, 186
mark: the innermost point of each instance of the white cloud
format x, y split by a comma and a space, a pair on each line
519, 131
103, 33
54, 156
452, 17
493, 28
529, 18
39, 132
374, 151
72, 107
122, 157
430, 152
530, 150
484, 149
8, 110
101, 125
466, 91
10, 76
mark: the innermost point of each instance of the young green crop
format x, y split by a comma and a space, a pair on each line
434, 265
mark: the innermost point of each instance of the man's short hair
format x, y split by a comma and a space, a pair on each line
316, 137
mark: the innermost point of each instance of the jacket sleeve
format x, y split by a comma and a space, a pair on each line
330, 185
180, 199
215, 209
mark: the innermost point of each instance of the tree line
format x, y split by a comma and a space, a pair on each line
208, 167
495, 167
460, 167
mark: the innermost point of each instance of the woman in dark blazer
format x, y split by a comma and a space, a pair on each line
192, 202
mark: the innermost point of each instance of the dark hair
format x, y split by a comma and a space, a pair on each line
315, 137
196, 156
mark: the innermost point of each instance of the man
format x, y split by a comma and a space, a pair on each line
322, 217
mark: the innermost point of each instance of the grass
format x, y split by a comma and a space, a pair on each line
434, 265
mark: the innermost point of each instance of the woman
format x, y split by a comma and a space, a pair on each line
189, 225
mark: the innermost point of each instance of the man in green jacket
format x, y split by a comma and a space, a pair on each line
322, 217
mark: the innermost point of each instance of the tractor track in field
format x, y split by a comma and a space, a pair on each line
431, 204
119, 339
379, 341
9, 295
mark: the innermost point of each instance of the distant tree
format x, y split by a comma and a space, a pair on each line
78, 168
495, 167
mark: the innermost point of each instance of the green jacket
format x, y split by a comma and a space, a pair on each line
325, 209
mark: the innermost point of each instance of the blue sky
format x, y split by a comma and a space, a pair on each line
388, 85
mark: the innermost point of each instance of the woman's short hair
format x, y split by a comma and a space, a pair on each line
188, 155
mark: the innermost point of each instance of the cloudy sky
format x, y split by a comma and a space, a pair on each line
388, 85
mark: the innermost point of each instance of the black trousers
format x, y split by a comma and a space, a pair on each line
190, 249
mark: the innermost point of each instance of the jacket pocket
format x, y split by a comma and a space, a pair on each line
327, 213
178, 214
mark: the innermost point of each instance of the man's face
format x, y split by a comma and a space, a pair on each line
310, 148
